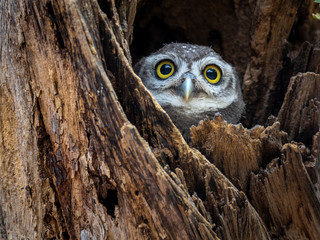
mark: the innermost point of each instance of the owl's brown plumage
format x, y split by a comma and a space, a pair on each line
192, 82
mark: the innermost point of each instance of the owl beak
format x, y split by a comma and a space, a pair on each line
187, 88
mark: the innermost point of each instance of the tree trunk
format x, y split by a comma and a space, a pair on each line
87, 153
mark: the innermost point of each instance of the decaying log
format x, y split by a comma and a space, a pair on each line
87, 153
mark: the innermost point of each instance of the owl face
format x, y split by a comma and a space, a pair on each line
191, 83
191, 77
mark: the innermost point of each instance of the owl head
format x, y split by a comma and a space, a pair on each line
192, 82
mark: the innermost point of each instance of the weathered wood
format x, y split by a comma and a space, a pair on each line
273, 25
294, 64
87, 153
237, 151
103, 151
285, 197
284, 194
29, 204
299, 115
102, 173
3, 231
314, 60
313, 163
199, 175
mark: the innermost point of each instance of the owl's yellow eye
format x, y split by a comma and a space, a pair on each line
212, 73
165, 69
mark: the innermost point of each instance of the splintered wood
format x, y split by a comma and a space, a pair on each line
281, 178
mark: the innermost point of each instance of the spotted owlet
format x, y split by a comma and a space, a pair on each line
192, 82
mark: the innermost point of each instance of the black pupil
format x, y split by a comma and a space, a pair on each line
212, 74
166, 69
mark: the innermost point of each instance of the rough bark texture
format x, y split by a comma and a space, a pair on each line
237, 151
299, 115
87, 153
274, 23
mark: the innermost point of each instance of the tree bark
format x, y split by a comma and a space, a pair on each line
87, 153
273, 24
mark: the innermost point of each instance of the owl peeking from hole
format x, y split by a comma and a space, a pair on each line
191, 83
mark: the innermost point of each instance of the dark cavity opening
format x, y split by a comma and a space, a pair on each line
110, 201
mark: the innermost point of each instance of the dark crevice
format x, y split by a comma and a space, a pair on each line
3, 231
199, 188
55, 26
215, 38
110, 201
45, 149
107, 193
44, 143
60, 41
50, 10
153, 36
201, 191
65, 235
106, 7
